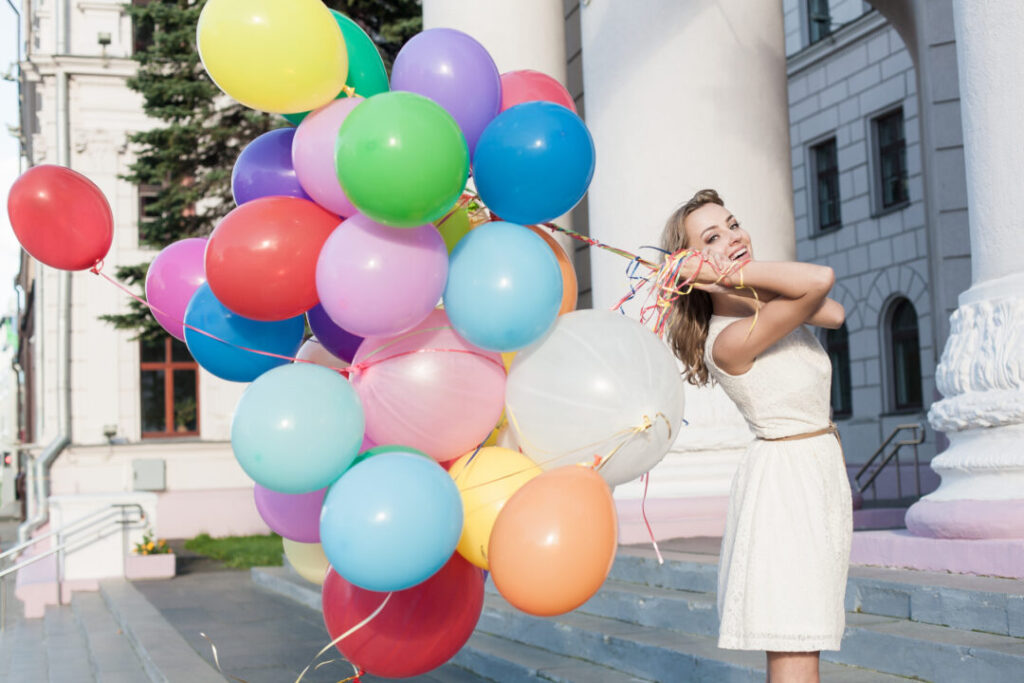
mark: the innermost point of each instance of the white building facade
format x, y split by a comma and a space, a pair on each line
120, 408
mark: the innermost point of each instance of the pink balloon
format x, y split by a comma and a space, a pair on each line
174, 276
313, 155
374, 280
294, 516
429, 388
530, 86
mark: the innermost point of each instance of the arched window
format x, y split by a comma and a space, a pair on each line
837, 344
906, 356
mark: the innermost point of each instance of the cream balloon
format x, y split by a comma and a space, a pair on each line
599, 384
307, 559
314, 352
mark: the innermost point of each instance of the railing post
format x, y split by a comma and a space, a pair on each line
60, 568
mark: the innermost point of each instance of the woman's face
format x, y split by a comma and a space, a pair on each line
714, 229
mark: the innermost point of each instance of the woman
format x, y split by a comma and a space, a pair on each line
782, 571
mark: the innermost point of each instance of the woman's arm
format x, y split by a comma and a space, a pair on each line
802, 290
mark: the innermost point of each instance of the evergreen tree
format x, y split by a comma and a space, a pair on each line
189, 157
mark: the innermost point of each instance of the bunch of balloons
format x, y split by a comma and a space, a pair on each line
354, 222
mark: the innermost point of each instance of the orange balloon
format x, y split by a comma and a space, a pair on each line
570, 288
554, 542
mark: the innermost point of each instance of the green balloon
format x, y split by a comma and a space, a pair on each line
366, 73
379, 450
401, 159
453, 227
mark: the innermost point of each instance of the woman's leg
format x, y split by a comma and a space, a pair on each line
793, 667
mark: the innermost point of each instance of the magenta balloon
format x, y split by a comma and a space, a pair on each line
294, 516
429, 388
313, 155
174, 276
375, 280
453, 69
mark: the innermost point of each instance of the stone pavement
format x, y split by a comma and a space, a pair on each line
260, 637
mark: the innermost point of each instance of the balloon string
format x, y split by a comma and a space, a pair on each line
347, 371
216, 659
344, 635
643, 513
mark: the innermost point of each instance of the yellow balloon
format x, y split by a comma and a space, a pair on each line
507, 357
279, 56
308, 560
485, 485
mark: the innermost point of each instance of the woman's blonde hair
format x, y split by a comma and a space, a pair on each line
688, 320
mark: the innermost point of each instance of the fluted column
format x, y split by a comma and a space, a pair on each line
981, 374
682, 96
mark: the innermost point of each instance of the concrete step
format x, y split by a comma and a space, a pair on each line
934, 653
507, 661
163, 653
963, 601
67, 650
657, 654
112, 657
23, 650
684, 611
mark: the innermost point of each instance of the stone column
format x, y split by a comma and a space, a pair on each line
981, 374
682, 96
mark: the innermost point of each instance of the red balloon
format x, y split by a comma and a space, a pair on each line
261, 258
60, 217
419, 629
530, 86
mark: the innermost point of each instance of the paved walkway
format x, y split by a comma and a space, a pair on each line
260, 636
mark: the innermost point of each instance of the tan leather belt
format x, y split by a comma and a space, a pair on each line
831, 429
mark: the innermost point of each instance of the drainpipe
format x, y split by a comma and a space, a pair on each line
38, 486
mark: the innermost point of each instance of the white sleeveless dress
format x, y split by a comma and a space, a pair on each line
786, 548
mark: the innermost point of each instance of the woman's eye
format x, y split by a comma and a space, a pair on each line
734, 226
711, 239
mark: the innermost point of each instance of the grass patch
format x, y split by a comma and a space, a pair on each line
239, 552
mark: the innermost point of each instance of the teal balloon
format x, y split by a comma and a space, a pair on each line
391, 521
366, 72
401, 159
297, 428
504, 287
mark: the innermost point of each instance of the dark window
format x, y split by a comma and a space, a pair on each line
837, 344
168, 384
142, 30
826, 186
819, 19
892, 159
147, 200
906, 356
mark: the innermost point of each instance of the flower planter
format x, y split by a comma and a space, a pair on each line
141, 567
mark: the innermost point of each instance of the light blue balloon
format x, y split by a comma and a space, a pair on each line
205, 312
533, 162
297, 428
391, 521
504, 287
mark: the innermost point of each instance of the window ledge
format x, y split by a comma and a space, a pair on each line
903, 411
827, 231
891, 209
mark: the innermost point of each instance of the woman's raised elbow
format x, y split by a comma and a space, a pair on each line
823, 279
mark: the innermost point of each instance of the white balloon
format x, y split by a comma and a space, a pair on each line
315, 352
599, 384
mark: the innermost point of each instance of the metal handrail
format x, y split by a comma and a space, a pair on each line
65, 544
119, 508
915, 440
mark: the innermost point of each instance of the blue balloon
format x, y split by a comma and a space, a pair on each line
206, 313
504, 287
533, 162
391, 521
297, 428
264, 169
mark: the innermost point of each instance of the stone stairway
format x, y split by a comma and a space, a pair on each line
658, 623
110, 636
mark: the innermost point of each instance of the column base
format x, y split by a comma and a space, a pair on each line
967, 519
992, 557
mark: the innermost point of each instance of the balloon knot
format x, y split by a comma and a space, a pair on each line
97, 267
348, 90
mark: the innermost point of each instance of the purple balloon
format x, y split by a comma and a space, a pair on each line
174, 276
264, 169
455, 71
334, 338
293, 516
